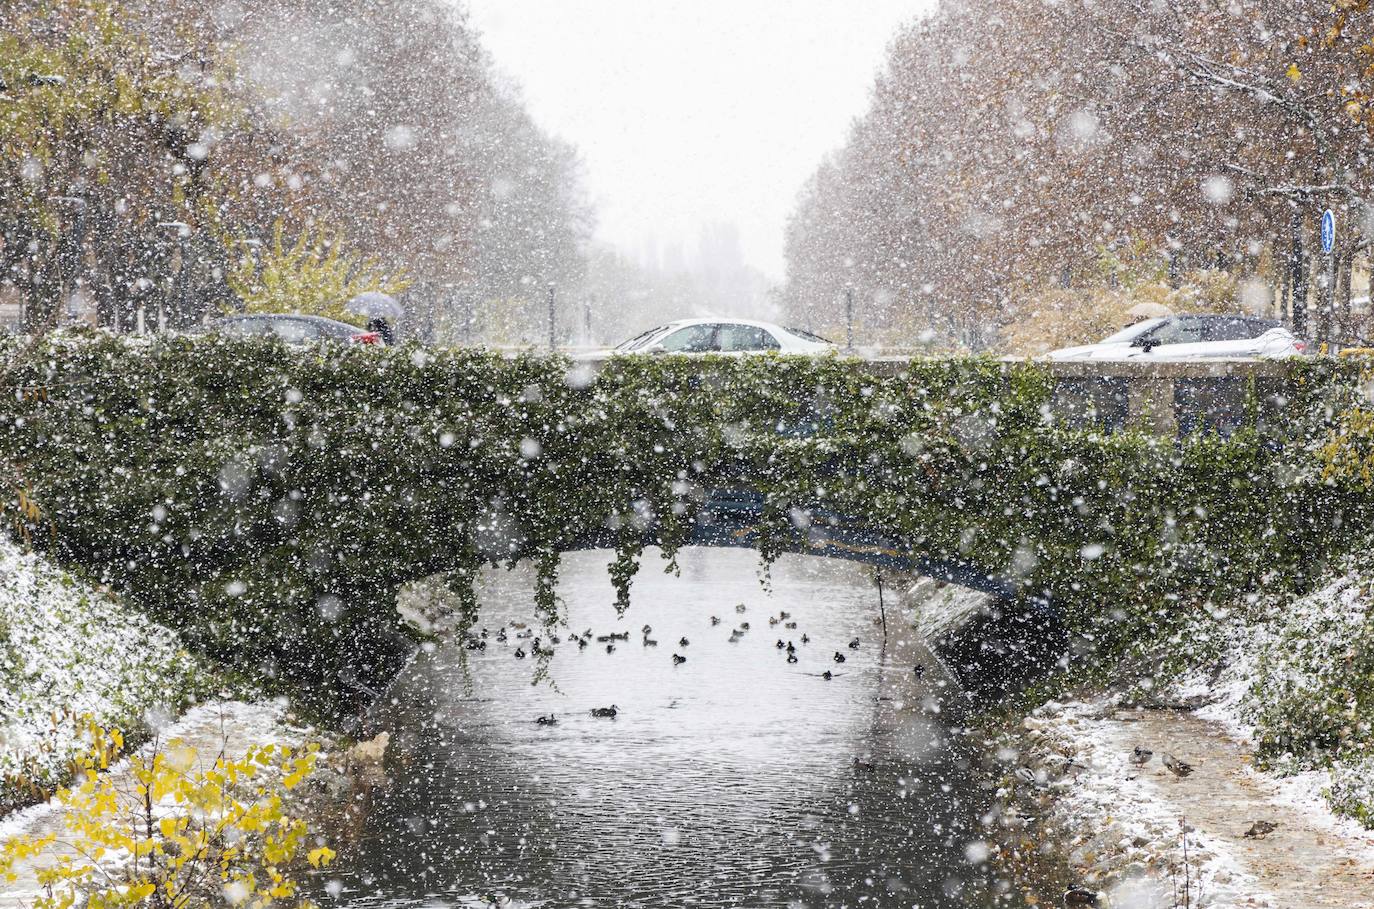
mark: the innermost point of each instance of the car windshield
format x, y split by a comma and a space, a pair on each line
1131, 333
641, 340
807, 336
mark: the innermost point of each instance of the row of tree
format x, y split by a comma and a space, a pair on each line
1012, 147
181, 157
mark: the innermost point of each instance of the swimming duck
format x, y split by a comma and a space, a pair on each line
739, 608
744, 626
501, 635
806, 639
827, 675
854, 644
784, 615
519, 653
646, 629
581, 643
780, 645
606, 712
735, 636
791, 648
715, 620
791, 625
683, 643
839, 657
547, 720
610, 648
678, 659
648, 642
791, 658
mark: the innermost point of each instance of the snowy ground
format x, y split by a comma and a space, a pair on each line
1283, 672
69, 652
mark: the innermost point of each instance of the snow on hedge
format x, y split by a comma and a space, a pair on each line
1297, 680
69, 653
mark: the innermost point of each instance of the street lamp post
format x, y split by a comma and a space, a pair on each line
849, 319
553, 314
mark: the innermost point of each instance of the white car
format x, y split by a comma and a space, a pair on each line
1192, 337
724, 336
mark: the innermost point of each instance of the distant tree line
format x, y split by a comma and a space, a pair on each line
1013, 147
157, 152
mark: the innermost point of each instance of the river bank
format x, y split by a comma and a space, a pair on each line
1265, 702
73, 656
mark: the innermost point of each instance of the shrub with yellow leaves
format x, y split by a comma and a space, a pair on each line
173, 829
1347, 458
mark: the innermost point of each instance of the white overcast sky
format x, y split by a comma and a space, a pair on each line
688, 112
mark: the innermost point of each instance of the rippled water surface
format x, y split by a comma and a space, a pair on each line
727, 780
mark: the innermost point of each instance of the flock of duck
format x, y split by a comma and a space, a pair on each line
523, 635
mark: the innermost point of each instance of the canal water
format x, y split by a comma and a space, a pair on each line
735, 778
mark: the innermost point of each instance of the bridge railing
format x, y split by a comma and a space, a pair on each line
1167, 398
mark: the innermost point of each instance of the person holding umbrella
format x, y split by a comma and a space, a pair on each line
379, 308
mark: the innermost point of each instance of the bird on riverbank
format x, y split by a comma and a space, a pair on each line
1260, 829
1140, 756
839, 657
1177, 767
605, 712
1080, 896
547, 720
678, 659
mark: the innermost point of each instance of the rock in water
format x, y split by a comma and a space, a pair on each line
1080, 896
1261, 829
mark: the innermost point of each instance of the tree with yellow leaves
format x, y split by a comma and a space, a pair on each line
315, 275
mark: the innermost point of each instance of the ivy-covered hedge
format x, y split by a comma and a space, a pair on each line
270, 501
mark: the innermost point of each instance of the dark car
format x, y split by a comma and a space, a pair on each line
294, 329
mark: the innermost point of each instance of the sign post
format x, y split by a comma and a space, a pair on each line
1329, 279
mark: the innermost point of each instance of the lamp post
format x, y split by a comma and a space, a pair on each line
849, 318
553, 314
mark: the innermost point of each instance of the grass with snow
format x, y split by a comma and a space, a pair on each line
71, 655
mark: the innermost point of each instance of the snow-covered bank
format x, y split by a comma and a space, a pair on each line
1272, 715
69, 655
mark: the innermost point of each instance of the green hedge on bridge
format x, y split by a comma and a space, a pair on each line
270, 502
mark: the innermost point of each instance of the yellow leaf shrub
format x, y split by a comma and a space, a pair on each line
178, 830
